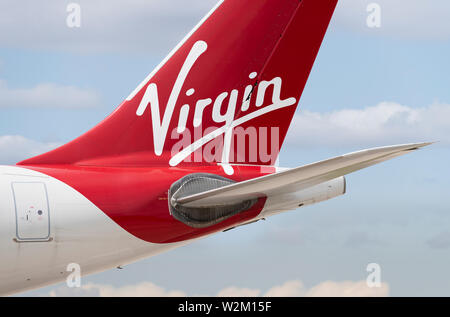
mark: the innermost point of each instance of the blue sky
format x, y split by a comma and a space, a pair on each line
369, 87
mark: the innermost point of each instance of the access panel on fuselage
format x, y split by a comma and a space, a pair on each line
32, 211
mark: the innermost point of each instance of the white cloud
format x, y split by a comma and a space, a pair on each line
413, 19
14, 148
47, 95
239, 292
145, 289
328, 289
348, 289
154, 27
383, 124
289, 289
138, 26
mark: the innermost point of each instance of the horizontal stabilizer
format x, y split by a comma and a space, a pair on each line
297, 178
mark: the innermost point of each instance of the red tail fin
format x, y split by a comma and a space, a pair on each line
236, 77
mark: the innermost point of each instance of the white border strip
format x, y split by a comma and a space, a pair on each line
142, 84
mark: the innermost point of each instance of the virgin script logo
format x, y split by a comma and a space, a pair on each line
226, 122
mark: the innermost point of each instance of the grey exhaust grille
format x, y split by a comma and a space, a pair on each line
202, 217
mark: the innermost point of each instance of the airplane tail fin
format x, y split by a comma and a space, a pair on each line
226, 94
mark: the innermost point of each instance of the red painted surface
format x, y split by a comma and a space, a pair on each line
115, 164
136, 198
271, 37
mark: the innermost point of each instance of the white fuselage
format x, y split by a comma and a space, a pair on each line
45, 225
79, 233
